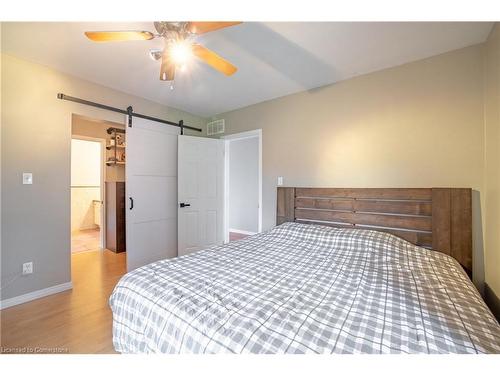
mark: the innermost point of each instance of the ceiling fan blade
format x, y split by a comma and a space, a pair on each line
167, 70
214, 60
205, 27
117, 36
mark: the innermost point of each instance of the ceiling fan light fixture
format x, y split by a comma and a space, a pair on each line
155, 54
180, 47
181, 52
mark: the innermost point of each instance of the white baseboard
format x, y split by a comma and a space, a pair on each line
35, 295
242, 231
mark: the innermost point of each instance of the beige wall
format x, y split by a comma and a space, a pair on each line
86, 161
492, 158
36, 134
416, 125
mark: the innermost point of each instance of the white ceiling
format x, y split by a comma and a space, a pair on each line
274, 59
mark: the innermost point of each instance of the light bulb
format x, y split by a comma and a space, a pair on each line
155, 54
180, 52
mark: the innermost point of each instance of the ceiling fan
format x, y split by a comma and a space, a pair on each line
179, 45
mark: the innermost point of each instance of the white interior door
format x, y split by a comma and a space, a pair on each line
151, 191
201, 193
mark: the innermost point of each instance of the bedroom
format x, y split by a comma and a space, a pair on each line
374, 174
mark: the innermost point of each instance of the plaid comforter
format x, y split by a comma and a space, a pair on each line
304, 289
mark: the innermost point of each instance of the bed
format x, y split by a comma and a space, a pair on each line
312, 285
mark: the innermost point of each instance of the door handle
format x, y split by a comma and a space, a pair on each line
131, 203
184, 205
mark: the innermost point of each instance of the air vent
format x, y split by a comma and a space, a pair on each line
215, 127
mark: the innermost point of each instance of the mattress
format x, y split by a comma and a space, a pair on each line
304, 289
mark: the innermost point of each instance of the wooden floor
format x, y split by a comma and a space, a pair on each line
85, 240
76, 321
236, 236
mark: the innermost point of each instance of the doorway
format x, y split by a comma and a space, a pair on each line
87, 194
243, 185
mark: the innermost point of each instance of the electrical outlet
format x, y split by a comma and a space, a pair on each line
280, 181
27, 268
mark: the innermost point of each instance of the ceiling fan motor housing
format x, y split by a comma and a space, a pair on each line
173, 30
179, 45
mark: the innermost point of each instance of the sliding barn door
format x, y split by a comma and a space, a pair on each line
151, 192
201, 195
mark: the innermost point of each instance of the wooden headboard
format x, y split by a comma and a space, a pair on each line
436, 218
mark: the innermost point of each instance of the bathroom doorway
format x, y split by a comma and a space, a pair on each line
87, 194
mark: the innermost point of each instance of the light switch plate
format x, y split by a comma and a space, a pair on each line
27, 268
27, 178
280, 180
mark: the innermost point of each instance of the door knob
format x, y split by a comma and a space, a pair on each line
184, 204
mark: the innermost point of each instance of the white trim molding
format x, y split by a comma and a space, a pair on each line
239, 231
35, 295
243, 135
